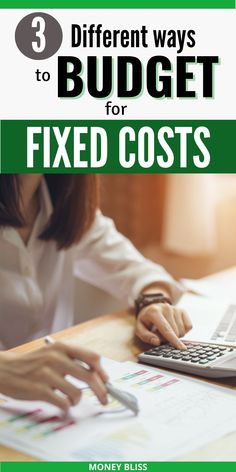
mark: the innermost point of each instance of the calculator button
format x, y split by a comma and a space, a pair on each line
211, 358
203, 361
195, 359
167, 355
203, 356
187, 358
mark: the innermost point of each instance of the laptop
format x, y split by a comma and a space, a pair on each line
214, 320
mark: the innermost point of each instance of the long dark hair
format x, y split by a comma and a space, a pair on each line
74, 199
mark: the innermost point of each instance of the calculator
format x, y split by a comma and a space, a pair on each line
203, 359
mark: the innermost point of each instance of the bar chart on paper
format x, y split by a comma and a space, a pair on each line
169, 406
147, 381
41, 425
35, 423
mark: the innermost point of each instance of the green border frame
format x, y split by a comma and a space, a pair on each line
111, 4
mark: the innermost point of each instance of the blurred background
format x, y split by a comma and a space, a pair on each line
186, 222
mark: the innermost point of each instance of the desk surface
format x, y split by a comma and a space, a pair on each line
113, 336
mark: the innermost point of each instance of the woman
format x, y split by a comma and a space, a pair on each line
51, 230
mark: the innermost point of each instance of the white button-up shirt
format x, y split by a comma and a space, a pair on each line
37, 280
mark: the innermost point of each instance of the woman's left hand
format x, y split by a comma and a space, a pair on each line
163, 322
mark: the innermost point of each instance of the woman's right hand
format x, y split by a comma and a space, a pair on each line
40, 374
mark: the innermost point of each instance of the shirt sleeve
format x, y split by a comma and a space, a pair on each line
108, 260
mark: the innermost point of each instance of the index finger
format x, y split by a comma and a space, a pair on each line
90, 358
166, 330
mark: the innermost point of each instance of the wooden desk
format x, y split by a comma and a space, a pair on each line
113, 336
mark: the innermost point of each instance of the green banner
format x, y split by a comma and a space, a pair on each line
116, 466
118, 146
113, 466
117, 4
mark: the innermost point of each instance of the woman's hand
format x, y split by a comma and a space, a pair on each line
163, 322
40, 375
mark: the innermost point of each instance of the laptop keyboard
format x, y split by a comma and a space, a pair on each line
195, 353
226, 329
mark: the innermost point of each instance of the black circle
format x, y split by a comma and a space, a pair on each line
25, 35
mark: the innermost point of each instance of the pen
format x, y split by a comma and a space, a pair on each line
125, 398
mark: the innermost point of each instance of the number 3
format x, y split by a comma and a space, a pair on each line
39, 23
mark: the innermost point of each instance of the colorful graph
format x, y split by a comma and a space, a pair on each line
35, 420
132, 375
38, 424
55, 429
146, 380
20, 416
164, 385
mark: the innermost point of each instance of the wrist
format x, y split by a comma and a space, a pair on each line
146, 299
